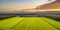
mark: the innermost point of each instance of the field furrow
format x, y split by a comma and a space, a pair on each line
54, 23
8, 23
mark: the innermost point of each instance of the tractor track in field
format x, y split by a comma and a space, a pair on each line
41, 20
18, 23
50, 24
22, 22
28, 26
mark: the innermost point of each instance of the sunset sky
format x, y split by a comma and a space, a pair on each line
17, 5
20, 4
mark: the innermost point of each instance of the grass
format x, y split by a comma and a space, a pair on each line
29, 23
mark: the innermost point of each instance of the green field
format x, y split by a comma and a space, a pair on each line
29, 23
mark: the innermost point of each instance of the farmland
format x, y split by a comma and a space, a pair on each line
29, 23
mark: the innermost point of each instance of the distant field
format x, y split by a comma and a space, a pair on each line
29, 23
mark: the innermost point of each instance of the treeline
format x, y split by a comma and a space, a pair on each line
6, 16
55, 17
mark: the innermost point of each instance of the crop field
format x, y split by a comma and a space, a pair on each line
29, 23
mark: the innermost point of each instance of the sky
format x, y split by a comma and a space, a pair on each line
11, 5
20, 4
